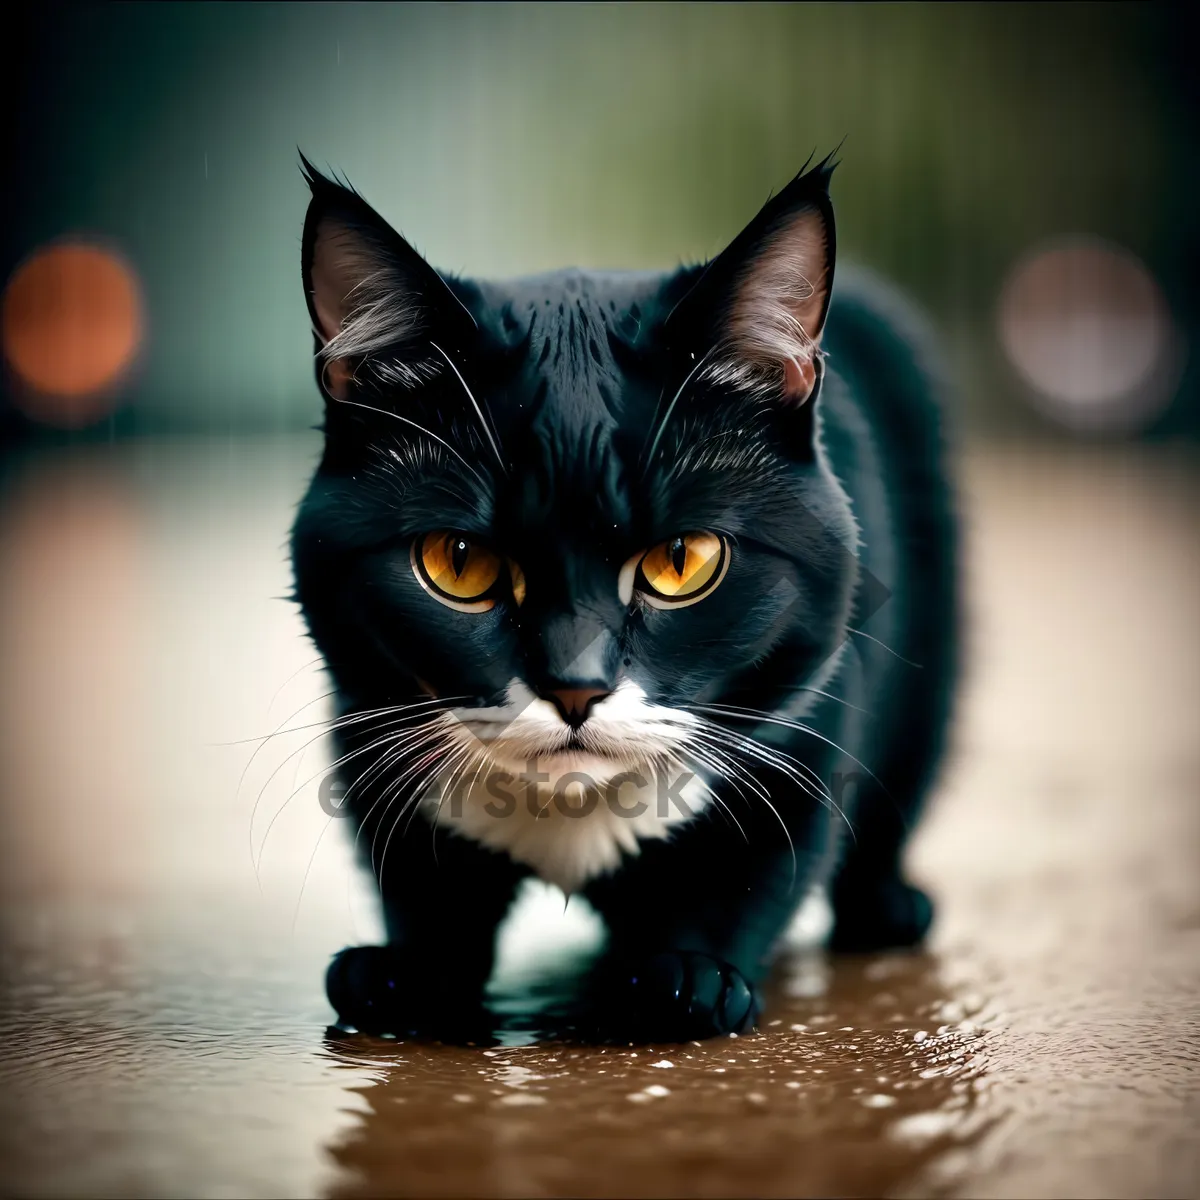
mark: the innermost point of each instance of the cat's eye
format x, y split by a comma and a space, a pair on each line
457, 570
678, 572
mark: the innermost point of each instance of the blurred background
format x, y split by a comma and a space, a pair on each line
171, 883
1027, 172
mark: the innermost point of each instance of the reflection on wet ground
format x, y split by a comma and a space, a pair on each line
162, 954
849, 1091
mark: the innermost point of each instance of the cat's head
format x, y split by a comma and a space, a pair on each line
572, 508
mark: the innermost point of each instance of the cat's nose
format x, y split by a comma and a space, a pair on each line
575, 704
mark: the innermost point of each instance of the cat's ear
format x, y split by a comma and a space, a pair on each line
376, 305
755, 316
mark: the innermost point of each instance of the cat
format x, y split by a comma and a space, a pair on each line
642, 584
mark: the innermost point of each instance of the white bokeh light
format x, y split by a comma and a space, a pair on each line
1087, 328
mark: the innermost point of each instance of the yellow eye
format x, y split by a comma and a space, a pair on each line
682, 570
456, 570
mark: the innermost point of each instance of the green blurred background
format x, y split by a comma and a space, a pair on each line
510, 139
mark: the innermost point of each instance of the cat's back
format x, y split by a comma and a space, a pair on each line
886, 409
885, 414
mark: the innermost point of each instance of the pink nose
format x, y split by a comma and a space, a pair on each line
575, 704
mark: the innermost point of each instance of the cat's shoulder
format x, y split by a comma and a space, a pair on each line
866, 306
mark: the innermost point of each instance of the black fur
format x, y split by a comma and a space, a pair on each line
843, 533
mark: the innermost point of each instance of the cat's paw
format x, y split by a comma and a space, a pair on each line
675, 996
879, 914
384, 990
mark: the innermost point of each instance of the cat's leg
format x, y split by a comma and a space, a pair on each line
443, 899
692, 925
875, 906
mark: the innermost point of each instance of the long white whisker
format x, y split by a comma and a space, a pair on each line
828, 696
750, 714
716, 799
250, 762
438, 763
393, 757
358, 716
456, 764
293, 675
434, 732
376, 743
717, 748
326, 727
662, 424
484, 759
487, 429
428, 433
312, 858
772, 757
766, 799
885, 646
779, 760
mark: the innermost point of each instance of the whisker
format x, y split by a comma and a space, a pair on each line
293, 675
308, 868
432, 733
716, 749
407, 742
374, 744
414, 798
766, 799
312, 857
907, 661
456, 763
295, 791
391, 790
402, 713
394, 750
300, 750
246, 769
383, 412
351, 718
723, 735
662, 424
263, 741
785, 763
716, 799
484, 759
487, 429
750, 714
803, 687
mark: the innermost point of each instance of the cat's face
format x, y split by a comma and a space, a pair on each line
572, 508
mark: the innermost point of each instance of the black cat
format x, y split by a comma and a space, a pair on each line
640, 583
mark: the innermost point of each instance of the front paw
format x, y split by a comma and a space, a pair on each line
384, 990
675, 996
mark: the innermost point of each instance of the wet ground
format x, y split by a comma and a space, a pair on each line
164, 935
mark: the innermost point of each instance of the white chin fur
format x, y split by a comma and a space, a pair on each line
565, 834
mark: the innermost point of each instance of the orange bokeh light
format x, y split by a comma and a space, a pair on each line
72, 325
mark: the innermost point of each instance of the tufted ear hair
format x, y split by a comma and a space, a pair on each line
377, 307
755, 316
